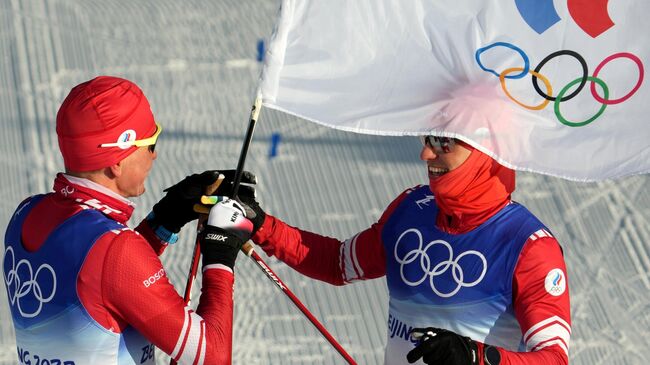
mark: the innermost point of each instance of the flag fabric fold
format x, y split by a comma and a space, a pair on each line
551, 87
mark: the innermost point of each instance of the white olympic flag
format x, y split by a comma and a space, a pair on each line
555, 87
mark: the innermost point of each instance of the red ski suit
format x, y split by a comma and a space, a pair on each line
123, 283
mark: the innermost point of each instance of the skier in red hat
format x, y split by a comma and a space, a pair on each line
86, 289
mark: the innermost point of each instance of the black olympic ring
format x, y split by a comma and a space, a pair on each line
583, 82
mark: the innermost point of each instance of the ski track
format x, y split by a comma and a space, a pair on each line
195, 61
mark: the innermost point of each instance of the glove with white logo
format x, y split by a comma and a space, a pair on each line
175, 209
226, 231
440, 346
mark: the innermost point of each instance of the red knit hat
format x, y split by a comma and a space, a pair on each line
105, 109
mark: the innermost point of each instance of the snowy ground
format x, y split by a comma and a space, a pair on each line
196, 62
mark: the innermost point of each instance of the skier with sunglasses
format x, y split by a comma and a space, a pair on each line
473, 276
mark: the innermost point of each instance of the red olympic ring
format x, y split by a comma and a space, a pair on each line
634, 59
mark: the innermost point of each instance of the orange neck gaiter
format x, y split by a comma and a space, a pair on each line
470, 194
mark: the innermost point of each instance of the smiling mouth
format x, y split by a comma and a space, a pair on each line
437, 171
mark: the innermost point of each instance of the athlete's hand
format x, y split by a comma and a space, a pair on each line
246, 196
253, 212
246, 187
440, 346
227, 228
176, 208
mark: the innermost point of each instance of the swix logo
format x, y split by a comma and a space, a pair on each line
271, 275
67, 190
153, 278
216, 237
590, 15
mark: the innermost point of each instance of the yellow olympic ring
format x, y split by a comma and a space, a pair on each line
549, 88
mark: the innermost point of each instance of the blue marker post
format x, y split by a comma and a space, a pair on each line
275, 141
260, 50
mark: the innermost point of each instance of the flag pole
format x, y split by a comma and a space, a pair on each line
248, 248
255, 113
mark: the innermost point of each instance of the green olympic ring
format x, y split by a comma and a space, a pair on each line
564, 91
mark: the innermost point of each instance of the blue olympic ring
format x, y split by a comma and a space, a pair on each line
507, 45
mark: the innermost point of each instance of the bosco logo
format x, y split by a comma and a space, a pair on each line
591, 16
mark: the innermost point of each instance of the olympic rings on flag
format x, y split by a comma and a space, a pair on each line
523, 55
585, 73
594, 80
549, 88
634, 59
581, 81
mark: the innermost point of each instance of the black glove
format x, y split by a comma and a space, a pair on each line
440, 346
175, 209
246, 195
245, 191
253, 212
226, 231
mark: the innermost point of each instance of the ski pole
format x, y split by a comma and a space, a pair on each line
248, 249
255, 112
196, 255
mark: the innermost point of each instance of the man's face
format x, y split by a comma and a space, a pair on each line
135, 169
441, 163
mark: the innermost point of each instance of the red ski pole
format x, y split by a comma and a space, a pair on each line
249, 250
196, 255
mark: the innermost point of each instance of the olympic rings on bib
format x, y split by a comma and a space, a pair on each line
562, 97
30, 288
420, 261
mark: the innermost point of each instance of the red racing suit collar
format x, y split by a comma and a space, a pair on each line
93, 195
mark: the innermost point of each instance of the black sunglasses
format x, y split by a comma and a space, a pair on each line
438, 144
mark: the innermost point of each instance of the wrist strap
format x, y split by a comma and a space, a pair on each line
161, 232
